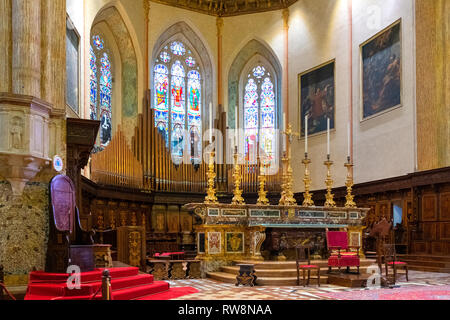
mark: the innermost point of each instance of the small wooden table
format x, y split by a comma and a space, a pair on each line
246, 275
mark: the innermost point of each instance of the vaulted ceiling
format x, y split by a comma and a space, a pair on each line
225, 8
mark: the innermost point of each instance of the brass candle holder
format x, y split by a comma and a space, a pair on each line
308, 201
350, 203
262, 193
211, 197
287, 194
237, 177
329, 203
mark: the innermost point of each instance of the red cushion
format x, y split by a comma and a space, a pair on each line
308, 267
344, 253
156, 254
344, 261
397, 262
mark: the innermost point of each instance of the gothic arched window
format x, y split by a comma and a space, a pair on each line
259, 112
101, 89
177, 100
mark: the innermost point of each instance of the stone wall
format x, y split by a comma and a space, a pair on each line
23, 230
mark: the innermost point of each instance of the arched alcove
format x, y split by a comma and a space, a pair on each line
111, 23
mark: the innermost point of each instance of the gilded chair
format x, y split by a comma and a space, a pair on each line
303, 263
340, 254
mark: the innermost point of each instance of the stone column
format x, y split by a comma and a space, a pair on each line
5, 45
26, 47
53, 52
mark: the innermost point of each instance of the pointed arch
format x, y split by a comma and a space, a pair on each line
241, 74
248, 52
182, 77
110, 19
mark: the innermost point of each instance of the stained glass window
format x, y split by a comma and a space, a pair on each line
101, 89
178, 48
177, 101
259, 113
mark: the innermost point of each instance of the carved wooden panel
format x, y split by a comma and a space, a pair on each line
384, 210
437, 248
173, 219
429, 207
63, 202
445, 231
420, 247
186, 221
429, 231
445, 206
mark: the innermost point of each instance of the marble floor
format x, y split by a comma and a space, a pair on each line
213, 290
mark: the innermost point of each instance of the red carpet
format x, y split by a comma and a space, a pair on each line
409, 293
126, 284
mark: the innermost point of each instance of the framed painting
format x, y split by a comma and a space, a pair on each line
235, 242
381, 69
317, 98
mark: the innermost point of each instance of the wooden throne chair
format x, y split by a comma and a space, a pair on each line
340, 252
69, 244
390, 260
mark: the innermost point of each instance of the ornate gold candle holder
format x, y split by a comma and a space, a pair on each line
262, 193
211, 197
237, 177
329, 203
349, 183
287, 194
308, 201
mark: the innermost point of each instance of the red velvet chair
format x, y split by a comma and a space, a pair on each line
340, 251
303, 263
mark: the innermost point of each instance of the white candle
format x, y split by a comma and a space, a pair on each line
210, 122
236, 126
348, 140
284, 137
306, 134
328, 136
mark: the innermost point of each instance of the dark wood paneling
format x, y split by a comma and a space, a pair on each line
429, 204
445, 206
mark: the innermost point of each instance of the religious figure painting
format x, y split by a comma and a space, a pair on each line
381, 72
214, 240
235, 242
317, 98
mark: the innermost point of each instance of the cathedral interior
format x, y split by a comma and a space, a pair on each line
178, 149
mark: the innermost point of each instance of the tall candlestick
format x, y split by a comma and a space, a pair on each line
306, 134
210, 122
328, 136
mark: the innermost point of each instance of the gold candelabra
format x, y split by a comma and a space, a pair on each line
287, 194
329, 203
211, 197
308, 201
349, 183
262, 193
237, 177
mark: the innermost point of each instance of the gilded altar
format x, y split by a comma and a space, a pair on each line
230, 233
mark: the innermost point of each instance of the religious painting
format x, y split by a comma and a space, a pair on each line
235, 242
214, 240
381, 72
317, 98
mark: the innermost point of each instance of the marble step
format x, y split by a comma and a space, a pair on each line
262, 281
292, 265
282, 273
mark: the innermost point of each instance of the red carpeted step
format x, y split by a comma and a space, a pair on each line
141, 291
91, 276
172, 293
